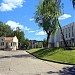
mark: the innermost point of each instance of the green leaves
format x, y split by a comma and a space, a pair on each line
47, 14
5, 30
20, 36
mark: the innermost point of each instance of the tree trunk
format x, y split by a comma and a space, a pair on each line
48, 37
65, 44
73, 3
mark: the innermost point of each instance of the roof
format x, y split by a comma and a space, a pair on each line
8, 38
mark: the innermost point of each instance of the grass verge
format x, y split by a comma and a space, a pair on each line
55, 54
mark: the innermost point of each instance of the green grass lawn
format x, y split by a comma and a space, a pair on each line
58, 55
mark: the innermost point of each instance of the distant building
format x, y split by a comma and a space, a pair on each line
9, 43
36, 44
69, 35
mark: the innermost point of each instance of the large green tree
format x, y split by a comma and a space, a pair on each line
45, 16
59, 6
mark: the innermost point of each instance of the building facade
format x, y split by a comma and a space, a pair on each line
9, 43
69, 35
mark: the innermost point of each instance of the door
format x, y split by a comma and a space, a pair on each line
7, 45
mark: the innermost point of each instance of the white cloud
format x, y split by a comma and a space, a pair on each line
13, 24
27, 29
41, 33
38, 38
64, 16
37, 30
31, 19
31, 31
8, 5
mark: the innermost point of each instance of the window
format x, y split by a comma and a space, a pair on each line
72, 32
72, 28
70, 41
69, 34
2, 39
63, 31
11, 43
66, 42
2, 43
66, 30
66, 35
69, 29
14, 43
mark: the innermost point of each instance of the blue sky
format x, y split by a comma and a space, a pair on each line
19, 13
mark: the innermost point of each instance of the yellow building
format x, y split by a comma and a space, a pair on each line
9, 43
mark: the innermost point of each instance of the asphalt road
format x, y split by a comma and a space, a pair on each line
22, 63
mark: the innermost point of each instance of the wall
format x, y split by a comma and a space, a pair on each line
67, 31
2, 40
16, 40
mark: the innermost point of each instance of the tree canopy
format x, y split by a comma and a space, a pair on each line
46, 16
5, 30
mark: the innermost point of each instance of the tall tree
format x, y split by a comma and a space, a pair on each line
27, 43
46, 18
20, 35
59, 6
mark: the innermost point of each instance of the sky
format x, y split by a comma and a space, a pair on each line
20, 13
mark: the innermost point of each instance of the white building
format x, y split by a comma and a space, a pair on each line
69, 35
9, 43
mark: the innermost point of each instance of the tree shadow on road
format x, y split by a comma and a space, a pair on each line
18, 56
67, 71
64, 71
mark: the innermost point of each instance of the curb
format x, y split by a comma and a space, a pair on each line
50, 60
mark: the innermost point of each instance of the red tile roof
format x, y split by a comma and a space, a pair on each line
8, 38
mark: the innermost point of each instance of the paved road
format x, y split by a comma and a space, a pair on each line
22, 63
